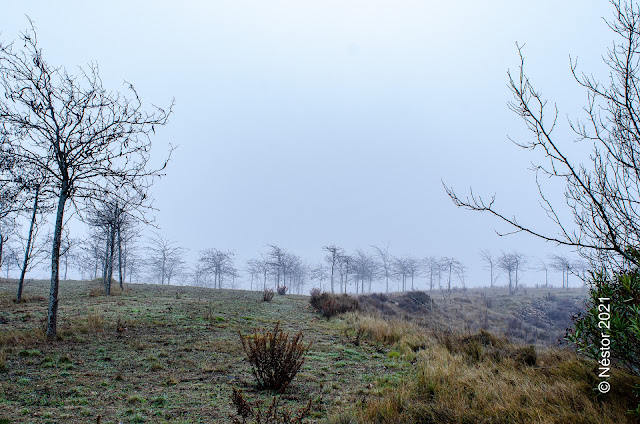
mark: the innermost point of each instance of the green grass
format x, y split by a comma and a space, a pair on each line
159, 354
176, 361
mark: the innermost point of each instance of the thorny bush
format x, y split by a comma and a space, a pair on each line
275, 359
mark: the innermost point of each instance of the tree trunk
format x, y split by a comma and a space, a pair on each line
112, 242
1, 246
66, 264
27, 252
120, 276
105, 268
491, 282
52, 312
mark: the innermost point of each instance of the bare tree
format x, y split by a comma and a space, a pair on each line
400, 272
175, 265
219, 263
385, 261
563, 264
333, 259
520, 259
365, 268
451, 266
603, 194
9, 259
345, 268
320, 274
90, 142
461, 272
163, 254
432, 265
414, 268
490, 262
298, 272
542, 266
507, 262
252, 267
34, 250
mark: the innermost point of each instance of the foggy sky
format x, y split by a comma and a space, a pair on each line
307, 123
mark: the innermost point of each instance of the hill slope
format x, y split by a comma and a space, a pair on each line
172, 354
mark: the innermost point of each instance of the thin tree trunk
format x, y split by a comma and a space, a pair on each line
27, 252
120, 258
491, 282
52, 312
105, 267
112, 242
66, 264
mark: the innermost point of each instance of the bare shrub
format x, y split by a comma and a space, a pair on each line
331, 304
282, 290
251, 412
267, 295
275, 360
95, 322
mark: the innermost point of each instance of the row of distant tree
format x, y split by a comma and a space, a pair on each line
115, 249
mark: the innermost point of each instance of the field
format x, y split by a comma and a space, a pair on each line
172, 354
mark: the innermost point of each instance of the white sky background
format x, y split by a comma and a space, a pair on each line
307, 123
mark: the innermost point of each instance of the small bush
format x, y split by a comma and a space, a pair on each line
275, 360
267, 295
331, 304
274, 414
95, 322
282, 290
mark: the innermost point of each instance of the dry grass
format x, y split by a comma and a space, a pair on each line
481, 378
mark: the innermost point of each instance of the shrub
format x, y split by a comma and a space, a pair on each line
331, 304
275, 360
274, 414
612, 312
282, 290
267, 295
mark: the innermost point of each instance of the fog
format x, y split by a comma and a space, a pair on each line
306, 124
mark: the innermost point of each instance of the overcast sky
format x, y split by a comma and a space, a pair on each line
307, 123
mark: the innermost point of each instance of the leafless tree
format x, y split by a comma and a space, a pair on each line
175, 265
319, 273
345, 268
252, 267
333, 259
603, 195
431, 265
263, 268
451, 266
490, 262
9, 259
219, 263
298, 273
30, 248
365, 268
386, 263
461, 272
507, 262
414, 268
90, 142
33, 250
563, 264
520, 260
279, 263
162, 255
542, 266
400, 272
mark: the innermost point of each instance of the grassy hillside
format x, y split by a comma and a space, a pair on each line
172, 354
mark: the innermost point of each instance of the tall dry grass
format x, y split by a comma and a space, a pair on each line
481, 378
